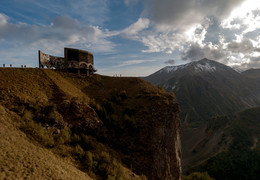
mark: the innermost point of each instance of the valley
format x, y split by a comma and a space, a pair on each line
212, 97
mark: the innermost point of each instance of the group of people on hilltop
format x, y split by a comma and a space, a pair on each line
22, 66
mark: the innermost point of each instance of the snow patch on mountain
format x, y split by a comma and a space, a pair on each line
169, 69
204, 67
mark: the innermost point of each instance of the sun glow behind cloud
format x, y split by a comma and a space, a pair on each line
244, 17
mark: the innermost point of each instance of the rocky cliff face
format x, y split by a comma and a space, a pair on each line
138, 123
150, 141
166, 142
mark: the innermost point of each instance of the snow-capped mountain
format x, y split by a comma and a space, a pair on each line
199, 66
206, 88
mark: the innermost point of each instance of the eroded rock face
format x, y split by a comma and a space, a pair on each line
164, 138
79, 115
166, 142
154, 148
149, 143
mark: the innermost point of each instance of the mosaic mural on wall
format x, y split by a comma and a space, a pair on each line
51, 61
73, 64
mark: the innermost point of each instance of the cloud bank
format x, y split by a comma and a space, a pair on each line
61, 32
227, 31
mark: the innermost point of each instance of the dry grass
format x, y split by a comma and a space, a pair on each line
21, 90
22, 159
32, 85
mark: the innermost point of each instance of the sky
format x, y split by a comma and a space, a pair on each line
132, 37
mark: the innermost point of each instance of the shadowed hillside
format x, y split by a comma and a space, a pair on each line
106, 127
210, 94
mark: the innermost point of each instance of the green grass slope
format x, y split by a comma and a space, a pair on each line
239, 134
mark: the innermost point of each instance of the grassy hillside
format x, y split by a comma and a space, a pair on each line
239, 134
103, 127
21, 158
33, 97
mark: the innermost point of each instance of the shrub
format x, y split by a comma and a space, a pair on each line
86, 142
109, 107
28, 115
75, 139
143, 177
89, 161
64, 136
123, 95
79, 152
105, 157
197, 176
36, 131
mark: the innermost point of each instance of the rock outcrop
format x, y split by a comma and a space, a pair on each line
150, 143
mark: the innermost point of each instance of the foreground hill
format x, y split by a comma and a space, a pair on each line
205, 90
22, 159
102, 126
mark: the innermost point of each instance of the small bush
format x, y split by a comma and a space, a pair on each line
64, 136
79, 152
197, 176
36, 131
89, 161
86, 142
143, 177
105, 157
28, 115
75, 139
123, 95
109, 107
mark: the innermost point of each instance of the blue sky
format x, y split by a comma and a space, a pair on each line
132, 37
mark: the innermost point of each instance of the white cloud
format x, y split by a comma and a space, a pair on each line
220, 30
176, 14
246, 17
168, 42
130, 2
63, 31
3, 19
135, 28
133, 62
87, 11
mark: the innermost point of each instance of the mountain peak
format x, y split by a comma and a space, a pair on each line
205, 65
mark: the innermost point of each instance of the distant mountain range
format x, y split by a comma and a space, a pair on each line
209, 93
207, 88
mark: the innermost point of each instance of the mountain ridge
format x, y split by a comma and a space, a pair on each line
206, 89
207, 75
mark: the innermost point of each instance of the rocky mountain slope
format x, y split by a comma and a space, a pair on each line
206, 89
100, 126
240, 133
